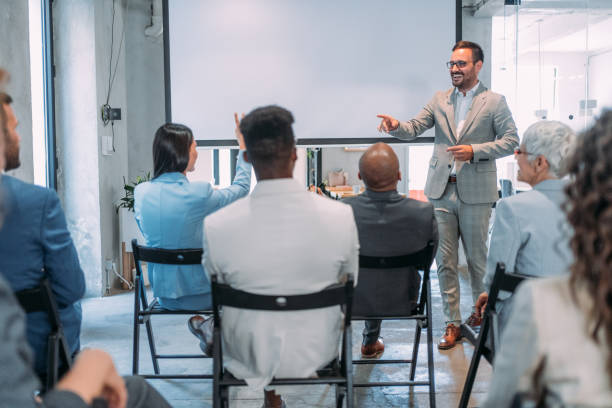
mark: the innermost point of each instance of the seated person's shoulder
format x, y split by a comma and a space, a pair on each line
521, 202
26, 193
327, 204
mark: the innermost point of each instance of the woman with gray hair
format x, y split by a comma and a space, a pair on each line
530, 234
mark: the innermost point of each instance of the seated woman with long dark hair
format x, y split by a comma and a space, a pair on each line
170, 212
557, 346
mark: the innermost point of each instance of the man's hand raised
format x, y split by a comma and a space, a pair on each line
388, 123
462, 152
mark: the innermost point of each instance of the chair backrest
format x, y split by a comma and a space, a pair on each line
225, 295
40, 299
502, 281
386, 287
165, 256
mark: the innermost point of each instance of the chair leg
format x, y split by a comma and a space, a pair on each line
415, 350
152, 345
52, 361
340, 391
348, 359
430, 359
217, 369
225, 397
136, 335
471, 375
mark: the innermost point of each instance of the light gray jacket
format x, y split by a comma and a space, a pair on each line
489, 129
530, 233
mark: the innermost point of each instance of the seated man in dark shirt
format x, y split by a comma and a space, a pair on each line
388, 224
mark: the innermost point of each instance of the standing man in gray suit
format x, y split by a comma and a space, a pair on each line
473, 127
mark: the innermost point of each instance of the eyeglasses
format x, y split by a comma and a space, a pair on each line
459, 64
518, 151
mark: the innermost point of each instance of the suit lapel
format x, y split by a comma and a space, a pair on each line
479, 100
449, 110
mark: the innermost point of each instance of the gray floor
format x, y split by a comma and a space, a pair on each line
107, 324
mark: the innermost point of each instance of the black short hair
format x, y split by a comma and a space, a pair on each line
268, 135
477, 53
171, 149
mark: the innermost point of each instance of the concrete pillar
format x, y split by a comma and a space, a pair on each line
77, 132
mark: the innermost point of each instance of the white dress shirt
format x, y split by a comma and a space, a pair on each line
463, 103
281, 240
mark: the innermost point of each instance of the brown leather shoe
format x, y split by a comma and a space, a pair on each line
450, 337
474, 321
373, 350
271, 400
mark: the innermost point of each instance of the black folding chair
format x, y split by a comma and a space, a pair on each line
41, 299
143, 310
393, 305
487, 341
337, 372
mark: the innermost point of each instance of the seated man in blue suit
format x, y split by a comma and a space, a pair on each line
35, 243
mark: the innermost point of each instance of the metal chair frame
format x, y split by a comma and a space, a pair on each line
143, 310
41, 299
489, 328
422, 260
338, 372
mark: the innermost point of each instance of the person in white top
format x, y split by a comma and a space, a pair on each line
556, 348
279, 240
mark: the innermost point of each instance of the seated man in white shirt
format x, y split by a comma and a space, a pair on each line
279, 240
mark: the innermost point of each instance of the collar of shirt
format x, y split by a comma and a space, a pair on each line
277, 186
469, 93
380, 195
173, 177
550, 184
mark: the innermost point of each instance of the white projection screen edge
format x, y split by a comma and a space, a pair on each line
334, 65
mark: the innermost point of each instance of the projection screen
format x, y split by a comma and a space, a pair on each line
334, 64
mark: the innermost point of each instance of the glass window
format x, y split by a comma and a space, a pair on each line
550, 60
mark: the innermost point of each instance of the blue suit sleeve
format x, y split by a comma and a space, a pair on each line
60, 256
239, 188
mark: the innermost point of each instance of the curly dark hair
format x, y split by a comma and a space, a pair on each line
589, 212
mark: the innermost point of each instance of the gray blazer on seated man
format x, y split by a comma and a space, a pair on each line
530, 233
388, 224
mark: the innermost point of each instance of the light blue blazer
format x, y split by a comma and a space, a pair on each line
170, 212
530, 233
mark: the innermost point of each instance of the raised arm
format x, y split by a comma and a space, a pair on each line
410, 129
242, 180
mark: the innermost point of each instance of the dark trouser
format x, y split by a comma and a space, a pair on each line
142, 395
371, 331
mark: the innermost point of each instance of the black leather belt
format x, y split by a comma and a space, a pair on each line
452, 179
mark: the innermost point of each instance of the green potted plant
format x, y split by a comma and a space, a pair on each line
127, 201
